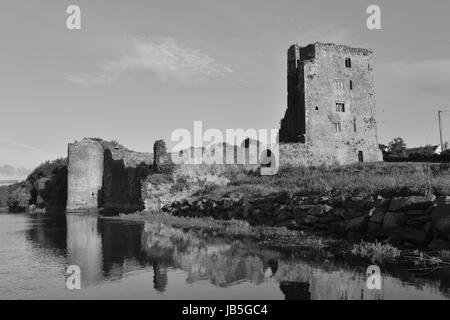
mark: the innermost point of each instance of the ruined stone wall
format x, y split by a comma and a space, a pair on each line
105, 177
318, 74
124, 171
85, 175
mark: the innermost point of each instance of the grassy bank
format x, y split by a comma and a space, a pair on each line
385, 179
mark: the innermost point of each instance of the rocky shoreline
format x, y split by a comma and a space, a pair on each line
414, 221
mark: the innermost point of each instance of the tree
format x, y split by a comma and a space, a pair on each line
397, 147
19, 197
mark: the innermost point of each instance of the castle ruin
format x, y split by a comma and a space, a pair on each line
331, 106
330, 119
104, 175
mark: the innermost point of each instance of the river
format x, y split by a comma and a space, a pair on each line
124, 260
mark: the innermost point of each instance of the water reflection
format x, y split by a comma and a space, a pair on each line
174, 263
84, 247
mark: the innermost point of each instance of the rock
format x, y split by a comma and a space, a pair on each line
320, 209
393, 220
439, 244
442, 227
416, 223
336, 226
358, 203
290, 224
377, 216
283, 215
228, 203
441, 210
427, 227
282, 197
395, 238
310, 219
382, 203
355, 236
357, 224
410, 203
415, 213
351, 213
339, 212
373, 227
328, 219
416, 237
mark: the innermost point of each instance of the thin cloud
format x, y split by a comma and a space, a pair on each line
162, 59
25, 146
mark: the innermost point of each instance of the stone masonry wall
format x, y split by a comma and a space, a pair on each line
85, 175
318, 78
105, 177
420, 221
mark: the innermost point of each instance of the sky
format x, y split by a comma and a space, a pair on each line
138, 70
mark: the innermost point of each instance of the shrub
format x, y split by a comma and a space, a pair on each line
159, 178
180, 184
376, 252
46, 169
4, 191
19, 197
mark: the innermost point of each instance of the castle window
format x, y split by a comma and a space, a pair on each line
340, 107
348, 63
317, 108
354, 125
339, 85
337, 127
351, 85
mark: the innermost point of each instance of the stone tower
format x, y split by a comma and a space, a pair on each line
331, 103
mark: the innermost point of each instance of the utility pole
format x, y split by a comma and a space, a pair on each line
440, 129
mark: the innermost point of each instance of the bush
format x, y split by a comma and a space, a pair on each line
376, 252
181, 184
4, 191
19, 197
47, 169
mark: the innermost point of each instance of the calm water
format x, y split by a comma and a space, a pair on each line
147, 261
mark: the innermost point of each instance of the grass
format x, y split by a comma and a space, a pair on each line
386, 179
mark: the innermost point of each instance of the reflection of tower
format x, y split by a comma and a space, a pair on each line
295, 290
273, 264
159, 277
84, 247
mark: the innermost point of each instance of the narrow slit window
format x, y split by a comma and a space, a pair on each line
348, 63
354, 125
351, 85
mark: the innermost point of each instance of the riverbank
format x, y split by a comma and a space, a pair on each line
400, 204
395, 260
